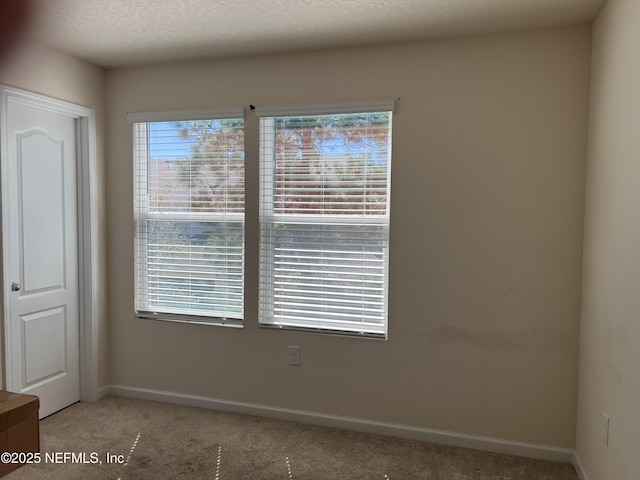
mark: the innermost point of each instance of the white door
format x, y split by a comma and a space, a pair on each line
41, 255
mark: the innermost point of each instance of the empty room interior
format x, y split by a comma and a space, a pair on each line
510, 267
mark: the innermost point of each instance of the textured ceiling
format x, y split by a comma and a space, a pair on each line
116, 33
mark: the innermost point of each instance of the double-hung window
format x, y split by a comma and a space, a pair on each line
189, 215
324, 217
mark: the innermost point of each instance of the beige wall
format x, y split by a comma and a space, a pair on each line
486, 238
610, 327
39, 69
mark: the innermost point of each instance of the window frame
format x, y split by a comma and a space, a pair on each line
143, 214
268, 216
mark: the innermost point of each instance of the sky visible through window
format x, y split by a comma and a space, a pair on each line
166, 141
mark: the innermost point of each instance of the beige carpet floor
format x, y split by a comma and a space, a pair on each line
149, 440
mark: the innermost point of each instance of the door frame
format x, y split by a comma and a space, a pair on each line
88, 307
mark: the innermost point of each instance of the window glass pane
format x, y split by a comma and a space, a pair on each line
194, 266
333, 164
329, 275
196, 166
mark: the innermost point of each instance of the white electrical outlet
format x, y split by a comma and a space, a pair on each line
294, 355
605, 428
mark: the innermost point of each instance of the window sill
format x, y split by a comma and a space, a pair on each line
325, 331
212, 321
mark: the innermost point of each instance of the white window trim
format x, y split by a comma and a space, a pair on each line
180, 115
325, 108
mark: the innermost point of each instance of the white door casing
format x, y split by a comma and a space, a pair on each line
49, 249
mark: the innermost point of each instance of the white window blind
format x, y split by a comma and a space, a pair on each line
189, 216
324, 220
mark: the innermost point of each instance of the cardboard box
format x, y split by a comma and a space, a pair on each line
19, 427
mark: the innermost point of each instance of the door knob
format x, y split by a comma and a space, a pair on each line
15, 286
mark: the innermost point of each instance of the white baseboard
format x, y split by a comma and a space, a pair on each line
476, 442
104, 391
579, 468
